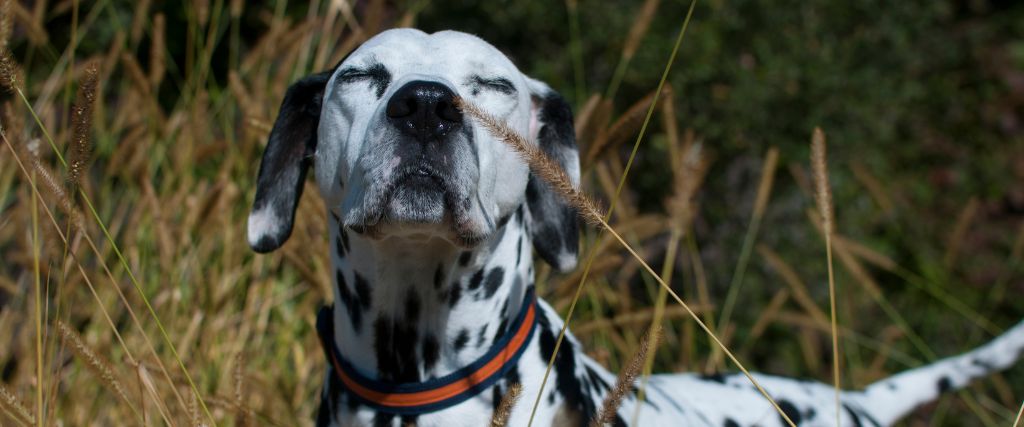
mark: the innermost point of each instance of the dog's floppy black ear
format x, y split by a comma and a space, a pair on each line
285, 161
554, 225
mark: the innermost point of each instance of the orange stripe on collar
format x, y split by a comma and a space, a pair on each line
439, 393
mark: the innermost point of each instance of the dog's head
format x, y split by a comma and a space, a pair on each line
395, 158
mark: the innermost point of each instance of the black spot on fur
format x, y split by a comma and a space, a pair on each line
456, 294
577, 398
461, 340
348, 300
328, 397
502, 327
343, 291
395, 347
790, 410
983, 364
519, 250
439, 276
344, 237
340, 247
853, 416
476, 280
501, 223
464, 258
412, 307
494, 279
944, 385
481, 336
496, 395
431, 351
381, 419
730, 423
715, 377
363, 291
857, 415
596, 381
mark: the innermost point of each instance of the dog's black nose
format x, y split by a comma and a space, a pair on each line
424, 110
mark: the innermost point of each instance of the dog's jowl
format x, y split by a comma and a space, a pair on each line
433, 227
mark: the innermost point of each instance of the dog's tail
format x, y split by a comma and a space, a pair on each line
892, 398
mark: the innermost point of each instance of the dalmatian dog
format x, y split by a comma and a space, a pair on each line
433, 226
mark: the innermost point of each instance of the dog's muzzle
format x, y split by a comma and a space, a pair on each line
423, 172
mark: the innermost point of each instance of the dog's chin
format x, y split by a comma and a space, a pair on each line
419, 208
417, 201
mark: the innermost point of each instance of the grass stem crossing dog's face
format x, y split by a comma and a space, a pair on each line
394, 157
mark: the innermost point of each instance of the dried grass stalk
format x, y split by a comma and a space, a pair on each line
508, 401
823, 193
147, 383
139, 20
202, 9
625, 128
56, 190
242, 410
14, 408
96, 363
542, 165
627, 378
960, 229
32, 22
9, 71
5, 24
687, 180
195, 419
236, 8
640, 26
157, 64
135, 73
81, 125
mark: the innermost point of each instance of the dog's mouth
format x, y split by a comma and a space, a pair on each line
417, 195
418, 201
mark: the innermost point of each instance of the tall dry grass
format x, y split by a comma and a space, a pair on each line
152, 309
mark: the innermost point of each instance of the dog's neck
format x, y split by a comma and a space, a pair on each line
409, 311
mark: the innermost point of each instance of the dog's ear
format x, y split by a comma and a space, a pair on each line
285, 162
554, 226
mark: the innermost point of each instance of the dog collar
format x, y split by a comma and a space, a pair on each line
416, 398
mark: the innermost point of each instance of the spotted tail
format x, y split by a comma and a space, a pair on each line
894, 397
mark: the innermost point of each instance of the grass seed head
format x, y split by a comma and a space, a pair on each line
81, 125
508, 401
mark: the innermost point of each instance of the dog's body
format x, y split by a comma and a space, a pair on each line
433, 224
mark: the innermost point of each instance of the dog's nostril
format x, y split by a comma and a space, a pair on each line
401, 108
447, 111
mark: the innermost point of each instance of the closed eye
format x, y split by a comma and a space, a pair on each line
497, 84
378, 76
